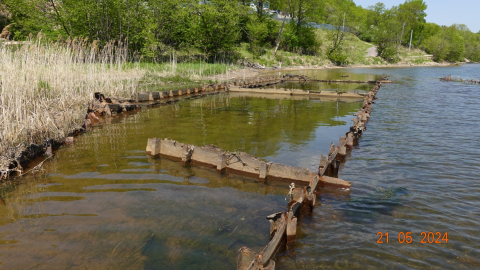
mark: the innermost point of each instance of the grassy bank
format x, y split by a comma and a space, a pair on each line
354, 48
45, 87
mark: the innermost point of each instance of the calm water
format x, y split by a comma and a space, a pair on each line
415, 170
103, 204
330, 74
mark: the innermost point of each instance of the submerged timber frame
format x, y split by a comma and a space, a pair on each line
283, 225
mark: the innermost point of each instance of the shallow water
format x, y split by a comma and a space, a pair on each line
103, 204
328, 74
415, 170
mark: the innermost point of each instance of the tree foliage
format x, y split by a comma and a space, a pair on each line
212, 28
447, 45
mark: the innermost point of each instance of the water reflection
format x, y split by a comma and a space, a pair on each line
410, 173
328, 74
104, 204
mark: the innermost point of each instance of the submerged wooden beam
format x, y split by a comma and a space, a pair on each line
224, 161
296, 92
304, 198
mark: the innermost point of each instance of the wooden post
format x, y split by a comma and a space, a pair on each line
323, 165
342, 150
332, 149
187, 154
222, 162
263, 171
245, 258
269, 251
275, 220
291, 230
153, 147
144, 96
350, 140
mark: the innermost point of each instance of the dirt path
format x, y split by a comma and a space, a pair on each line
372, 52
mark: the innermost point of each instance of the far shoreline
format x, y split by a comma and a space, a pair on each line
248, 72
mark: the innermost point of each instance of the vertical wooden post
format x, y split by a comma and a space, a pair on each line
153, 147
263, 171
187, 154
342, 150
245, 258
350, 139
323, 165
222, 162
291, 230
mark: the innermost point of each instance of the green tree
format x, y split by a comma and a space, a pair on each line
30, 16
446, 45
412, 14
218, 26
299, 35
386, 29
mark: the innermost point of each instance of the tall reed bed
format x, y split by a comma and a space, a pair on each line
46, 87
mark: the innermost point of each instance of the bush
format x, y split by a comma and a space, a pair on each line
388, 51
301, 40
338, 57
447, 45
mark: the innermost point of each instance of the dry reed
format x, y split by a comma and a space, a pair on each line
45, 88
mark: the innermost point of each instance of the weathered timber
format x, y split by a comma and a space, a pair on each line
342, 149
291, 230
270, 250
285, 172
156, 95
323, 165
296, 92
349, 141
275, 221
224, 161
304, 198
144, 96
335, 181
245, 258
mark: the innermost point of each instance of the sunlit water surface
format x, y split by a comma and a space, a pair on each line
104, 204
415, 170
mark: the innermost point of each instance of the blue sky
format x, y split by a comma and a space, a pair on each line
442, 12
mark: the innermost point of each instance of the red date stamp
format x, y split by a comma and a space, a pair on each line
406, 237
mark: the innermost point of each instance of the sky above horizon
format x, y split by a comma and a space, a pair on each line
441, 12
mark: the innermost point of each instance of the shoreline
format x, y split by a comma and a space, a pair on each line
30, 153
248, 72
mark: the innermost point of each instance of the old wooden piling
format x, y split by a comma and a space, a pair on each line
237, 162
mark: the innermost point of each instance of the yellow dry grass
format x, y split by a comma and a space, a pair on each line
46, 87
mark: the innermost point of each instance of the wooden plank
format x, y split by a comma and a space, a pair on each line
323, 165
245, 258
335, 181
270, 250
